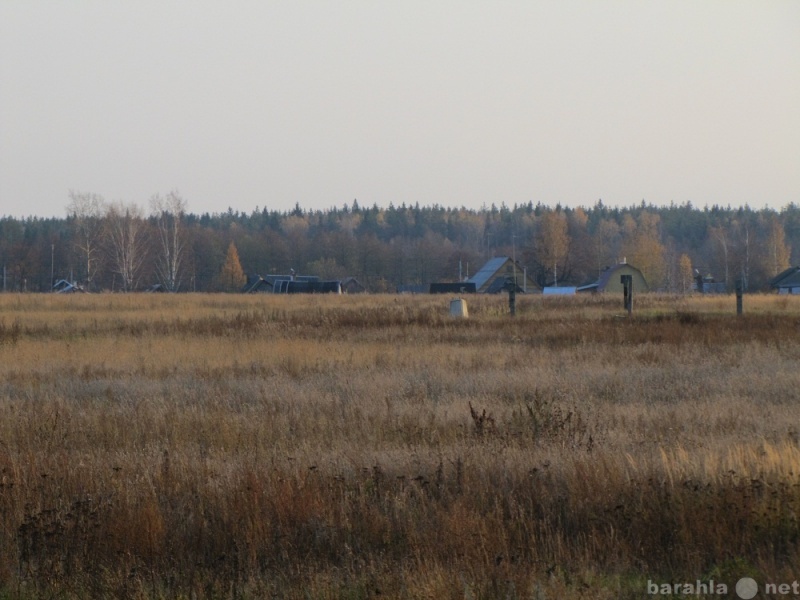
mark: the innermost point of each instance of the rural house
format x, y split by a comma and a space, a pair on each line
491, 278
706, 284
62, 286
787, 282
609, 280
351, 285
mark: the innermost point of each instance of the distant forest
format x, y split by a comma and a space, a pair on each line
116, 247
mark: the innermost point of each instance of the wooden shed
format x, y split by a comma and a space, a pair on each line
351, 285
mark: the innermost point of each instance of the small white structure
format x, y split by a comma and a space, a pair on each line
559, 291
458, 308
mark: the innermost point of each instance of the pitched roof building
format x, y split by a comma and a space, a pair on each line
491, 278
787, 282
609, 280
351, 285
62, 286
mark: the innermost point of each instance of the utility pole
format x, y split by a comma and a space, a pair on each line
52, 265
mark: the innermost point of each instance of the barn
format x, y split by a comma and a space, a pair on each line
290, 284
609, 280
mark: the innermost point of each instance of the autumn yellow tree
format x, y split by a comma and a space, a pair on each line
643, 248
231, 277
552, 243
685, 273
581, 252
605, 241
777, 250
719, 237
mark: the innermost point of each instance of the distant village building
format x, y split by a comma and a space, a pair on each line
257, 284
62, 286
492, 277
787, 282
290, 284
609, 280
559, 291
465, 287
351, 285
706, 284
447, 287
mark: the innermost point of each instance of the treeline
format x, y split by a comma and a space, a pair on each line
117, 247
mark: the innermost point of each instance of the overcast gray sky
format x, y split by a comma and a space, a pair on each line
455, 102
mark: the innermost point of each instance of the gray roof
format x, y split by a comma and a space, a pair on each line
62, 286
788, 278
487, 271
255, 284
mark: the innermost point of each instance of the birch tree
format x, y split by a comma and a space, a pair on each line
171, 239
86, 213
126, 236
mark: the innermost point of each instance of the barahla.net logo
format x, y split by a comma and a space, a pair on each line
746, 588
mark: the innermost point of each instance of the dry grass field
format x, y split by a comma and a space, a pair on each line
211, 446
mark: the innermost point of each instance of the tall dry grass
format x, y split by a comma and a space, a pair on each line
327, 447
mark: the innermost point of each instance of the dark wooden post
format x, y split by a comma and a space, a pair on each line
624, 281
511, 286
739, 292
627, 291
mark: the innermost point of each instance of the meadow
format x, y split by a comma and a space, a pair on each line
227, 446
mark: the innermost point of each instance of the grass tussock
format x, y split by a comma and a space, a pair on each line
328, 447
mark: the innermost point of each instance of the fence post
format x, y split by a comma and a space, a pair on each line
739, 293
627, 292
511, 286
